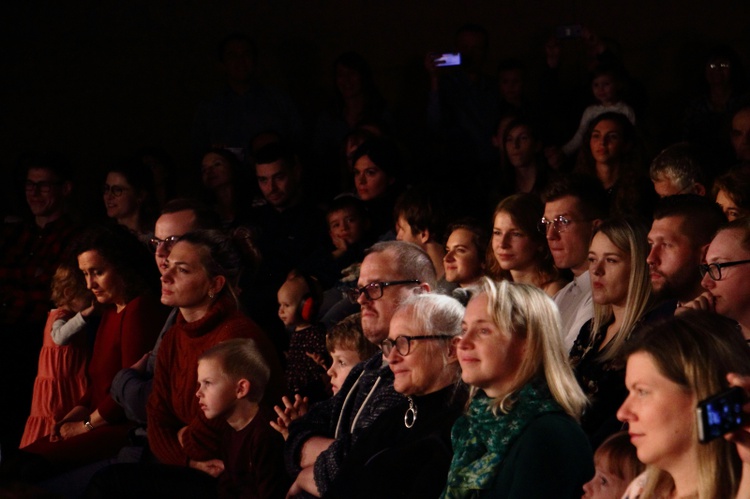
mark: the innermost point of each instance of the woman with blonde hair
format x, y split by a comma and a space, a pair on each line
621, 292
518, 251
520, 436
670, 368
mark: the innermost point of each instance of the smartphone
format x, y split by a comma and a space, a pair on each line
720, 414
448, 59
568, 31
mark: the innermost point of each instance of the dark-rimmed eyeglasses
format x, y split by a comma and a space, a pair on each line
155, 242
559, 224
115, 190
374, 290
714, 269
44, 186
403, 343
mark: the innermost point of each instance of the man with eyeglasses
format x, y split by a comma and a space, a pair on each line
726, 274
574, 206
29, 255
320, 441
131, 387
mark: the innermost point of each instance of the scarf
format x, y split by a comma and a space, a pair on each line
481, 439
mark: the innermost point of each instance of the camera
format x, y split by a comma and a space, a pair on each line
720, 414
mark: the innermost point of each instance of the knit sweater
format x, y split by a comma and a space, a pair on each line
172, 404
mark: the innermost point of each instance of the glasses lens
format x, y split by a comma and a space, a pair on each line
386, 346
402, 345
542, 225
714, 272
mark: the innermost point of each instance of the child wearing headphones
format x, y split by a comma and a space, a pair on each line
299, 298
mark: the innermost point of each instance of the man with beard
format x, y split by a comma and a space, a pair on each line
682, 229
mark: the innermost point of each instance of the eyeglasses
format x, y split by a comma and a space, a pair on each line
719, 65
403, 343
168, 242
115, 190
559, 224
374, 290
44, 186
714, 269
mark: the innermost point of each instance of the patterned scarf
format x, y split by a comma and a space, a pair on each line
481, 440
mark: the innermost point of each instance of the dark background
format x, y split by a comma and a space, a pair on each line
100, 79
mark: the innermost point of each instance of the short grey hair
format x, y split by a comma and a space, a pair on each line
412, 261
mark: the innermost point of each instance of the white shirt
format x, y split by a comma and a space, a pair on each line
576, 307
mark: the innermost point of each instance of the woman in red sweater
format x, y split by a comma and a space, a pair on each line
201, 279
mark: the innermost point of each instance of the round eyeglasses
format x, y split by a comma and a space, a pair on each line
44, 186
714, 269
115, 190
403, 343
155, 242
374, 290
558, 224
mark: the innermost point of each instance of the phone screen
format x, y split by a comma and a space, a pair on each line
720, 414
448, 59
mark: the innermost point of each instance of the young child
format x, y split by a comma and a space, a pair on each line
61, 376
299, 298
606, 85
232, 378
617, 465
348, 347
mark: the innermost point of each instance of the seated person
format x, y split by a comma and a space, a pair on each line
299, 299
616, 464
732, 192
465, 249
677, 170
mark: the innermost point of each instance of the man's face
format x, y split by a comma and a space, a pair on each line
569, 248
377, 314
740, 135
673, 260
168, 225
238, 61
277, 183
45, 193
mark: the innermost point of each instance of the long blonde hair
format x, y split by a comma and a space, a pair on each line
528, 312
630, 238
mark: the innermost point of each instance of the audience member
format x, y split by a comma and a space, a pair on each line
677, 170
226, 187
574, 206
319, 443
616, 464
621, 294
740, 136
519, 251
524, 169
670, 368
683, 226
732, 192
129, 197
520, 436
465, 250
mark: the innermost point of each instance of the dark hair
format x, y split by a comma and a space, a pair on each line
384, 153
236, 37
586, 189
55, 162
374, 102
736, 185
510, 64
702, 216
586, 163
422, 210
226, 254
131, 260
475, 29
348, 202
141, 179
205, 217
480, 237
737, 76
273, 152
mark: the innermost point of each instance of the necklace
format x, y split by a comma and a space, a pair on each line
410, 417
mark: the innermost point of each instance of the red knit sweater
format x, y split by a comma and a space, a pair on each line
173, 404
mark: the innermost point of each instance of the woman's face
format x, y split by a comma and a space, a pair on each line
422, 370
185, 282
348, 81
489, 357
215, 171
607, 142
520, 146
102, 278
728, 206
371, 182
731, 294
660, 414
126, 203
463, 261
513, 248
609, 267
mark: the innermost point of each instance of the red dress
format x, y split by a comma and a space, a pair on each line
60, 380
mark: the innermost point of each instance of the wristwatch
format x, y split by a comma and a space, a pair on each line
87, 423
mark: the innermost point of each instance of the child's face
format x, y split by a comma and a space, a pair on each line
604, 485
216, 392
343, 361
289, 297
347, 225
604, 89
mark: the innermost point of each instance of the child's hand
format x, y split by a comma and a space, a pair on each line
213, 467
291, 412
86, 312
341, 246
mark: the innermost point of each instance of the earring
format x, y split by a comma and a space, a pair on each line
210, 295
